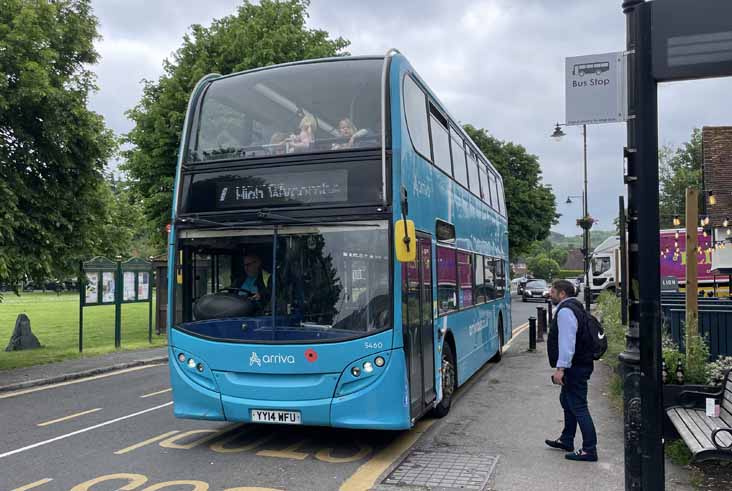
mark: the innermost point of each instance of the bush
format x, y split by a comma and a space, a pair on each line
609, 312
569, 273
695, 363
717, 369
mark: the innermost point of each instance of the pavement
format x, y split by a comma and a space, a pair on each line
119, 428
52, 373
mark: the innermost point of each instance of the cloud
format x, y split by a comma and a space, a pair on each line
497, 64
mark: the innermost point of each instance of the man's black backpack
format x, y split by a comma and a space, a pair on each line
595, 338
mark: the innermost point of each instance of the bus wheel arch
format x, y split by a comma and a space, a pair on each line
448, 366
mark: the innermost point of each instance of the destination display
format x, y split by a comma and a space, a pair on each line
343, 183
275, 189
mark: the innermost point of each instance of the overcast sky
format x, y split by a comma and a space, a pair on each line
497, 64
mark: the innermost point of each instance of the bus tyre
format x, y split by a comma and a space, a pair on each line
497, 357
449, 381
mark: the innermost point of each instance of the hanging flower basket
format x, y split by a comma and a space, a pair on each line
585, 222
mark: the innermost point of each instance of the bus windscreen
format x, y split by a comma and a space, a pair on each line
294, 109
296, 284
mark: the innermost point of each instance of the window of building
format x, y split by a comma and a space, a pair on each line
458, 160
446, 284
440, 141
465, 278
415, 108
473, 173
479, 279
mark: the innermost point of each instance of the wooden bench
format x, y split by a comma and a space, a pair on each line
707, 438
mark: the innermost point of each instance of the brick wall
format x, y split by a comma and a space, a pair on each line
717, 164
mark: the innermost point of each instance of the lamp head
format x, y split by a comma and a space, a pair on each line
558, 133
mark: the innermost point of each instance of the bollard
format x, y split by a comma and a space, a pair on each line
549, 311
541, 324
532, 333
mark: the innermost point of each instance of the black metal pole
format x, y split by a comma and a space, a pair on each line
623, 276
586, 229
118, 304
532, 333
541, 324
82, 297
643, 408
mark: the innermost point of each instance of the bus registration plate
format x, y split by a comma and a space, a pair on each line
281, 417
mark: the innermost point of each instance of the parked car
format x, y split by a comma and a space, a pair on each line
535, 290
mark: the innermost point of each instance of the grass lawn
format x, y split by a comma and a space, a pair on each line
55, 322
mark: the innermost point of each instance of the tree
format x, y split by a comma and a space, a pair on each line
52, 148
679, 169
531, 204
559, 255
543, 267
257, 35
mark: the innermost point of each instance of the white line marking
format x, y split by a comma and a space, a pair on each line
77, 381
155, 393
83, 430
70, 416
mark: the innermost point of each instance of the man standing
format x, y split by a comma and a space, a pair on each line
570, 353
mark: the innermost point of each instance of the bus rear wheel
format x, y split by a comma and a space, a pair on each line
449, 381
499, 353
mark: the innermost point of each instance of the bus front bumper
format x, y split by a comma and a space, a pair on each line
382, 404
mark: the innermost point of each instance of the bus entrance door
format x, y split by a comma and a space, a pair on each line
417, 327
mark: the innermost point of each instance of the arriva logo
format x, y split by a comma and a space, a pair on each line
254, 359
275, 359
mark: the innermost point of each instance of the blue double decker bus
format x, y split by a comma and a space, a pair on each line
338, 249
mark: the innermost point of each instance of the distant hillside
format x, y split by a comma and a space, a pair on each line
596, 237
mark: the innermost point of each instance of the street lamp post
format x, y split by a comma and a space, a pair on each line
557, 135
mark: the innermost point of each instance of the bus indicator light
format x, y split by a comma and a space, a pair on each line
181, 357
379, 361
199, 367
355, 371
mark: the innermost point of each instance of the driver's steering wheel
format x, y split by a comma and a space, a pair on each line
233, 289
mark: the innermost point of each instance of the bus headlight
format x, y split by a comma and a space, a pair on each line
368, 367
191, 363
379, 361
181, 357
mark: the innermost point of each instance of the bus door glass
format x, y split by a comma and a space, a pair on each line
418, 327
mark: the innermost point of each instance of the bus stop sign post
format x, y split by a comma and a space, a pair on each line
660, 48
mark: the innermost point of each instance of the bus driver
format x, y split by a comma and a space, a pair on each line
255, 281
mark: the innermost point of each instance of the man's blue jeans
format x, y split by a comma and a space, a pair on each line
576, 412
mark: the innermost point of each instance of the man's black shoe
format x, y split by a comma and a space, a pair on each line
581, 456
558, 444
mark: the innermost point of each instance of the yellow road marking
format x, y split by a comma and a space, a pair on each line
33, 485
287, 453
366, 475
70, 416
156, 393
77, 381
516, 332
146, 442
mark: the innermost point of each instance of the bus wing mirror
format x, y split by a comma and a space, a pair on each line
405, 241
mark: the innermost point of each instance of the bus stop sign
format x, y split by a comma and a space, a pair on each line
595, 89
698, 47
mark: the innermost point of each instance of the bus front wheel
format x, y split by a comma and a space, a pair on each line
449, 381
